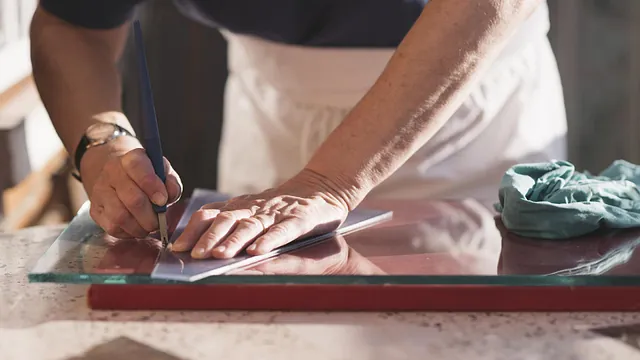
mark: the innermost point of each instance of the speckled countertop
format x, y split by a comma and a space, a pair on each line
47, 321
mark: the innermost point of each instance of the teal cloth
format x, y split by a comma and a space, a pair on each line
554, 201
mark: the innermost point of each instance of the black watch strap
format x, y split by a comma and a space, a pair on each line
80, 150
83, 146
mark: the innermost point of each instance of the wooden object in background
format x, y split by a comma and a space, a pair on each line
32, 161
42, 194
15, 104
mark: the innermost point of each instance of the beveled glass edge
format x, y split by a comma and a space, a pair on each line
65, 241
466, 280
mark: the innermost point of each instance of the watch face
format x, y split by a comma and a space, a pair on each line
101, 131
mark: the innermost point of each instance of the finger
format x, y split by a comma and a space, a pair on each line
246, 231
223, 224
137, 202
199, 222
138, 167
277, 235
118, 216
98, 215
173, 183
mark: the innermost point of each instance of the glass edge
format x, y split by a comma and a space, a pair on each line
443, 280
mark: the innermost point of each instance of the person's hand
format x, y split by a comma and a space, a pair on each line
304, 205
122, 185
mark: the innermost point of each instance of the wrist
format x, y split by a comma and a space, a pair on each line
345, 189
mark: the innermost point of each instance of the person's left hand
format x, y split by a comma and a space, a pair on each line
262, 222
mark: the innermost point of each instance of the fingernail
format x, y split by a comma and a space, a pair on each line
252, 247
159, 199
199, 252
220, 249
176, 246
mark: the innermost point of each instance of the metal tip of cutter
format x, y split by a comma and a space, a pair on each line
164, 236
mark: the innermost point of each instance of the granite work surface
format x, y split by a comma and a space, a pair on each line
48, 321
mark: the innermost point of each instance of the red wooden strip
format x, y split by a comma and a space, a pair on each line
362, 298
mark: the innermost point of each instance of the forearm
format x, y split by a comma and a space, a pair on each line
76, 75
425, 81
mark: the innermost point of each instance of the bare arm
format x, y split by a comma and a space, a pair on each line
76, 74
75, 70
425, 81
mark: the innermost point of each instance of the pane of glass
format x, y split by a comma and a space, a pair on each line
436, 242
182, 267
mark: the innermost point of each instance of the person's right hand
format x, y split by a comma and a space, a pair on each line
122, 186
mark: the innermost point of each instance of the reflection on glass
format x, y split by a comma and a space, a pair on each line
607, 252
333, 257
434, 238
83, 253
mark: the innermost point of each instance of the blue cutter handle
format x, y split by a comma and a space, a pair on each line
152, 143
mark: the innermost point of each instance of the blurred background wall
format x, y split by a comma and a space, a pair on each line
597, 44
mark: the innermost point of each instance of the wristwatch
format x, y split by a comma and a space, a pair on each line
97, 134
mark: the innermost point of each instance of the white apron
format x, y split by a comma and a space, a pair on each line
282, 101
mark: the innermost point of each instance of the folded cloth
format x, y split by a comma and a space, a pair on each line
554, 201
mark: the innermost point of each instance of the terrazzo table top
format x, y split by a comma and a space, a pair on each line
48, 321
